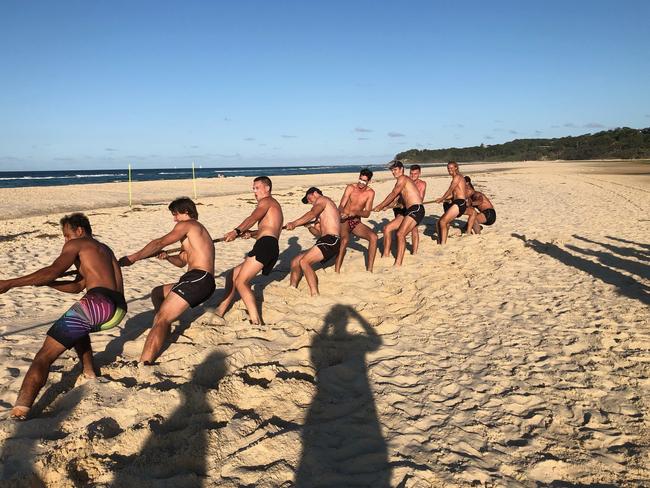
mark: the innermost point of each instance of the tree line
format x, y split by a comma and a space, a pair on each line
620, 143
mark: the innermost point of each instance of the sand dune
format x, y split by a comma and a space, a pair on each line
519, 357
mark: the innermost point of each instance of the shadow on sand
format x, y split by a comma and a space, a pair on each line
175, 454
625, 285
342, 439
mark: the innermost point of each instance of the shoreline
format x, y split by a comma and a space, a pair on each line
46, 200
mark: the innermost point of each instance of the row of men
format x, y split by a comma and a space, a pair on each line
99, 272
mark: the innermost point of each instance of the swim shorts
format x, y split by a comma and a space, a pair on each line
266, 251
195, 287
399, 211
460, 203
329, 245
353, 222
99, 309
490, 216
416, 212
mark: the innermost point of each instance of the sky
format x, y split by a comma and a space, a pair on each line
101, 84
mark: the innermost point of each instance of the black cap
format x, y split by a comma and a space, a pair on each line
311, 190
395, 163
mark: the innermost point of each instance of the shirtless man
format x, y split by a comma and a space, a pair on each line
398, 211
457, 191
193, 288
356, 203
102, 307
327, 246
484, 213
406, 189
268, 217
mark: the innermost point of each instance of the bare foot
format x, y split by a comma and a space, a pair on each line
19, 413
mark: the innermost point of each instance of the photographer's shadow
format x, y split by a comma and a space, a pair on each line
342, 440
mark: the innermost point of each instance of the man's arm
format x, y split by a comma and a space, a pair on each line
449, 192
345, 198
257, 215
48, 274
424, 189
399, 186
69, 286
179, 260
315, 211
154, 247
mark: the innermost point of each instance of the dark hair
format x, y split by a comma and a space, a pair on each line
415, 167
184, 205
395, 163
76, 220
266, 180
453, 162
468, 180
366, 172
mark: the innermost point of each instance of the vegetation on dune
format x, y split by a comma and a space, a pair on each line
620, 143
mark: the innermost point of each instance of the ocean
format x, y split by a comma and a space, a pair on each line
20, 179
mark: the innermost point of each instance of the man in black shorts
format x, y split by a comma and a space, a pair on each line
327, 246
193, 288
268, 217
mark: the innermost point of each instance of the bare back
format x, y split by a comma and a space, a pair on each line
330, 218
97, 264
271, 223
459, 187
197, 246
480, 201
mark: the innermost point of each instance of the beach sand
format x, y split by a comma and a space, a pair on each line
519, 357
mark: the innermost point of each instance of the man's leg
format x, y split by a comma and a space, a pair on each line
480, 219
345, 239
408, 223
296, 271
310, 258
470, 222
85, 353
415, 240
229, 292
389, 228
172, 307
158, 294
445, 221
36, 376
247, 271
363, 231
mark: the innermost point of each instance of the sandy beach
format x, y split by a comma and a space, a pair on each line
519, 357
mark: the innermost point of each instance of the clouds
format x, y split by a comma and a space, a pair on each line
288, 136
396, 134
593, 125
362, 129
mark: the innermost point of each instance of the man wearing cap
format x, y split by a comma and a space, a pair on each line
356, 202
327, 246
407, 190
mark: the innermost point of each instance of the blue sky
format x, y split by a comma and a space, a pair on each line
99, 84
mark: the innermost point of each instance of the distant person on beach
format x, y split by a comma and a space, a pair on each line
356, 203
398, 211
327, 245
268, 217
194, 287
457, 192
101, 308
481, 210
407, 190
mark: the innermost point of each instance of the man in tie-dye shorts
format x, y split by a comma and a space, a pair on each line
102, 307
